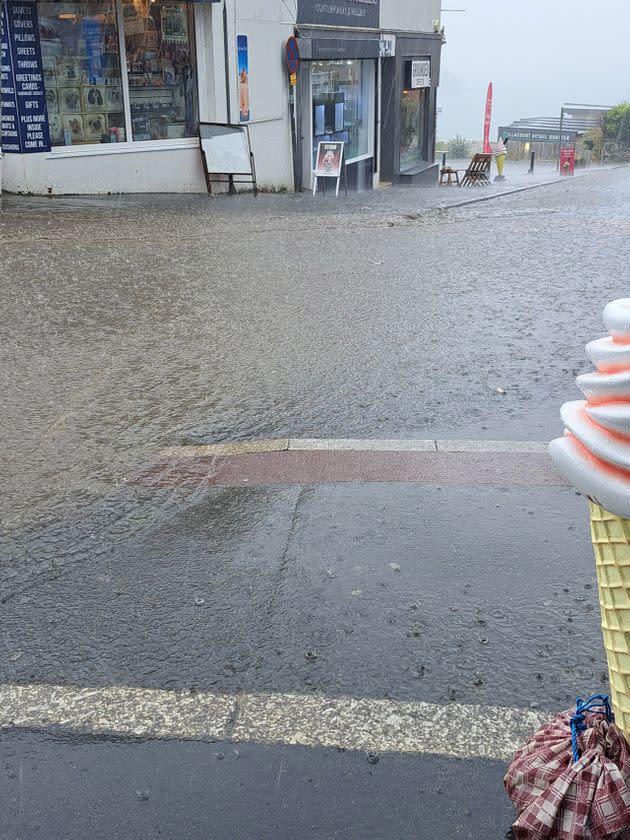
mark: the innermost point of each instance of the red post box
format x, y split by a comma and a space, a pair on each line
567, 161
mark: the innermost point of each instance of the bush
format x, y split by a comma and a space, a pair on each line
612, 120
623, 133
459, 147
596, 135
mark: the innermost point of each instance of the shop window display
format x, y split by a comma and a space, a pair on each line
87, 86
343, 93
82, 74
411, 128
162, 83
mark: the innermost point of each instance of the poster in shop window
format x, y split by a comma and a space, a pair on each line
174, 24
243, 78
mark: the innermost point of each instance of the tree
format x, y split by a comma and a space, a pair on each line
612, 120
459, 147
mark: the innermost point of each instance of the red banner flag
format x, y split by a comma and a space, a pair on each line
486, 123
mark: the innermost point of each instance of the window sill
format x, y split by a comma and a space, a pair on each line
358, 158
96, 149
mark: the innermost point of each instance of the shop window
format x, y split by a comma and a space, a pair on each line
160, 65
89, 85
82, 73
343, 105
411, 128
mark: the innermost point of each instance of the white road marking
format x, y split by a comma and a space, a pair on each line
354, 445
245, 447
360, 445
285, 719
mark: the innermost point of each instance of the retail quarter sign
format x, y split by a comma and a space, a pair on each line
292, 55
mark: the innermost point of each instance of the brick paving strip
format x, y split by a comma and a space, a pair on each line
313, 461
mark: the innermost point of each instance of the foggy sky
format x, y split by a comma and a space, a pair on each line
537, 56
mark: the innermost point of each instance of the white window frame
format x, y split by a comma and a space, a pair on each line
129, 144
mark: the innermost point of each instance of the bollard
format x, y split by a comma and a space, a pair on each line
532, 157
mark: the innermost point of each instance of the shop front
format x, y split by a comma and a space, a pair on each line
106, 96
370, 87
341, 105
100, 96
338, 86
409, 90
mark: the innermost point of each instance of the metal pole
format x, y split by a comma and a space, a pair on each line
297, 93
560, 137
231, 188
293, 135
532, 157
227, 63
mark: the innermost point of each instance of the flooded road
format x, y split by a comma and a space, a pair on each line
131, 325
135, 323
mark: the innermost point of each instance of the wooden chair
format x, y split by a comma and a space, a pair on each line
478, 172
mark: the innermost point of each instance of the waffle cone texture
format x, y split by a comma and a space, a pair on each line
611, 542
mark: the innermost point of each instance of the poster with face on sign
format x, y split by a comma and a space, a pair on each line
329, 158
329, 164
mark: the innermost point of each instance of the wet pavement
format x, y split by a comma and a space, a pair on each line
135, 324
119, 790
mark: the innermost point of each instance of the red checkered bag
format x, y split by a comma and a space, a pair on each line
571, 781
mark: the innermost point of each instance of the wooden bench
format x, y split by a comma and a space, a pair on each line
478, 172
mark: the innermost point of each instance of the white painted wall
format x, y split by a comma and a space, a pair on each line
154, 166
267, 24
409, 15
124, 168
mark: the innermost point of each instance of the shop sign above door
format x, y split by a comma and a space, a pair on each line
421, 74
335, 49
361, 13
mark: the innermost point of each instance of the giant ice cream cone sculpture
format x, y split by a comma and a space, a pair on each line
594, 455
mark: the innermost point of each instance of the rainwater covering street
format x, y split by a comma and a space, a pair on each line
265, 571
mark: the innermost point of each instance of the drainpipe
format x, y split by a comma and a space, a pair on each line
227, 62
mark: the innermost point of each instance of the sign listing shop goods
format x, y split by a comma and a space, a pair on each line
24, 112
361, 13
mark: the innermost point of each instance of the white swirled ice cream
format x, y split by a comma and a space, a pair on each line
594, 453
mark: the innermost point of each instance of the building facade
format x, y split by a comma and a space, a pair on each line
542, 135
105, 96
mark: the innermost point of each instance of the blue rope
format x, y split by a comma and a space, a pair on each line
597, 704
